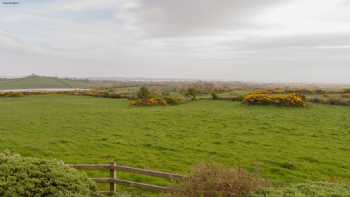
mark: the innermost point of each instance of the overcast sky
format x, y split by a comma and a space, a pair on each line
239, 40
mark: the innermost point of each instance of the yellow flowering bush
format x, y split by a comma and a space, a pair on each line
269, 99
11, 94
148, 102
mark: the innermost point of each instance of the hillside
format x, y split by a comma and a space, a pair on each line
34, 81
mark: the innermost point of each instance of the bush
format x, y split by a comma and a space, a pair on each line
315, 100
347, 90
237, 98
337, 101
214, 96
216, 181
192, 92
347, 96
99, 93
25, 176
268, 99
143, 93
174, 100
331, 100
148, 102
11, 94
318, 189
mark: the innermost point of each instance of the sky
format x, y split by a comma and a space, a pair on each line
237, 40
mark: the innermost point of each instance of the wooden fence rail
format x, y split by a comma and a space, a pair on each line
113, 180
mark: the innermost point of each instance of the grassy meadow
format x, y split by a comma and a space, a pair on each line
282, 144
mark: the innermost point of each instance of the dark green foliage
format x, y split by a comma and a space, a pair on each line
25, 176
192, 92
143, 93
318, 189
174, 100
214, 96
237, 98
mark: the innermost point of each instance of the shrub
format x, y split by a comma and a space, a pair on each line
338, 101
25, 176
268, 99
174, 100
319, 91
192, 92
316, 189
11, 94
331, 100
16, 94
100, 93
143, 93
347, 96
347, 90
212, 180
148, 102
315, 100
237, 98
214, 96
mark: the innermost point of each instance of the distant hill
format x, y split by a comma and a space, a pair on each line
35, 81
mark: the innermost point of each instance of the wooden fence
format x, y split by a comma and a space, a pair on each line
113, 179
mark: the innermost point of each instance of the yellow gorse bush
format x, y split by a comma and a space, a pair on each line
269, 99
148, 102
11, 94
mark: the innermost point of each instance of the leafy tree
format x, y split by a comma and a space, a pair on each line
214, 96
192, 92
143, 93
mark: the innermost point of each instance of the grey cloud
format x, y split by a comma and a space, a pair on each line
182, 17
287, 42
344, 3
171, 38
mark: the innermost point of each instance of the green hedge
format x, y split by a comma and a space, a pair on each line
31, 177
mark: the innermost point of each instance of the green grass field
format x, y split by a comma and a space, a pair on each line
284, 144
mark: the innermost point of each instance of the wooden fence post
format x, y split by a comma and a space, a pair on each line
113, 181
113, 175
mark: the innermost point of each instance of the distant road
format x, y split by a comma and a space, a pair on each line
45, 90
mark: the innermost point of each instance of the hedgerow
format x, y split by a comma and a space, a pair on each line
270, 99
148, 102
174, 100
147, 98
331, 100
11, 94
27, 177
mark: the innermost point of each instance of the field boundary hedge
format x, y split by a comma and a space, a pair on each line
291, 100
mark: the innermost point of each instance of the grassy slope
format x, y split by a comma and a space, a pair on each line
286, 144
44, 82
